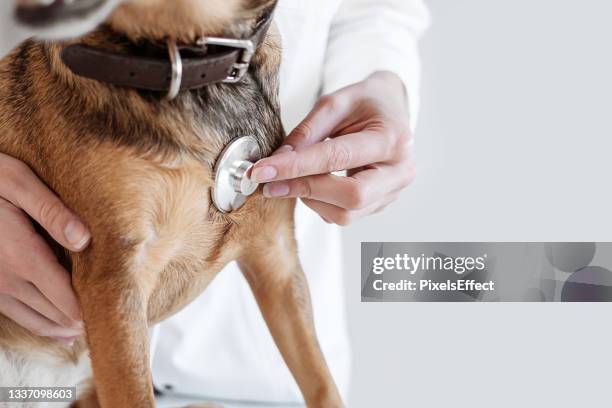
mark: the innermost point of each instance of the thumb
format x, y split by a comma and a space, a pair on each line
24, 189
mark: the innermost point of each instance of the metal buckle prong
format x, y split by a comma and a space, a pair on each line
241, 67
177, 70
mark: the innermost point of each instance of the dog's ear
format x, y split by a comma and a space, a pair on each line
59, 19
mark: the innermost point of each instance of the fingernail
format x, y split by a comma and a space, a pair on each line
284, 149
276, 190
68, 341
73, 332
76, 234
71, 324
263, 174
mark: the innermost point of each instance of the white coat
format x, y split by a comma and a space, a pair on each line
219, 346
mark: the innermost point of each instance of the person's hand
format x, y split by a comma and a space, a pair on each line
35, 291
363, 128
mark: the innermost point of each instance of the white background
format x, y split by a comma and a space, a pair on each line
514, 144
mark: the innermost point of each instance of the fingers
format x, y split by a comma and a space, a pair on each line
346, 152
26, 259
54, 282
33, 321
337, 215
328, 114
363, 197
20, 186
354, 128
340, 191
35, 291
350, 193
29, 295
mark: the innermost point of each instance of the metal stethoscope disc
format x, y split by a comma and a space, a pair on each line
232, 182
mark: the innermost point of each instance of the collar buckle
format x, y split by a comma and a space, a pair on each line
240, 67
177, 70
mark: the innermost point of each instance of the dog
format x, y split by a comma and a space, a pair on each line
138, 166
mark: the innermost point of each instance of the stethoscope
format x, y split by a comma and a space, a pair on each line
232, 174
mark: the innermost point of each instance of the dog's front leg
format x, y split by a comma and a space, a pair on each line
113, 304
273, 270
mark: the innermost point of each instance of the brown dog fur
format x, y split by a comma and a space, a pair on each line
138, 170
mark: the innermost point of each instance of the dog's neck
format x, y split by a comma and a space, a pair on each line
126, 114
210, 60
112, 57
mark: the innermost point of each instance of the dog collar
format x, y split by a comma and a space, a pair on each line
212, 60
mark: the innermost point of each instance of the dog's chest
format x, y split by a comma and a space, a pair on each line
37, 369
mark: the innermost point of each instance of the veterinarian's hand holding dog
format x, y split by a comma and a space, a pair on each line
35, 291
369, 135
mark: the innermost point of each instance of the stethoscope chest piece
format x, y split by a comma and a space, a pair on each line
232, 182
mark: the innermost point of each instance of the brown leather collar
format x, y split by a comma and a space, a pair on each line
212, 60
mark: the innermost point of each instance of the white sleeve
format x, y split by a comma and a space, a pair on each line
375, 35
